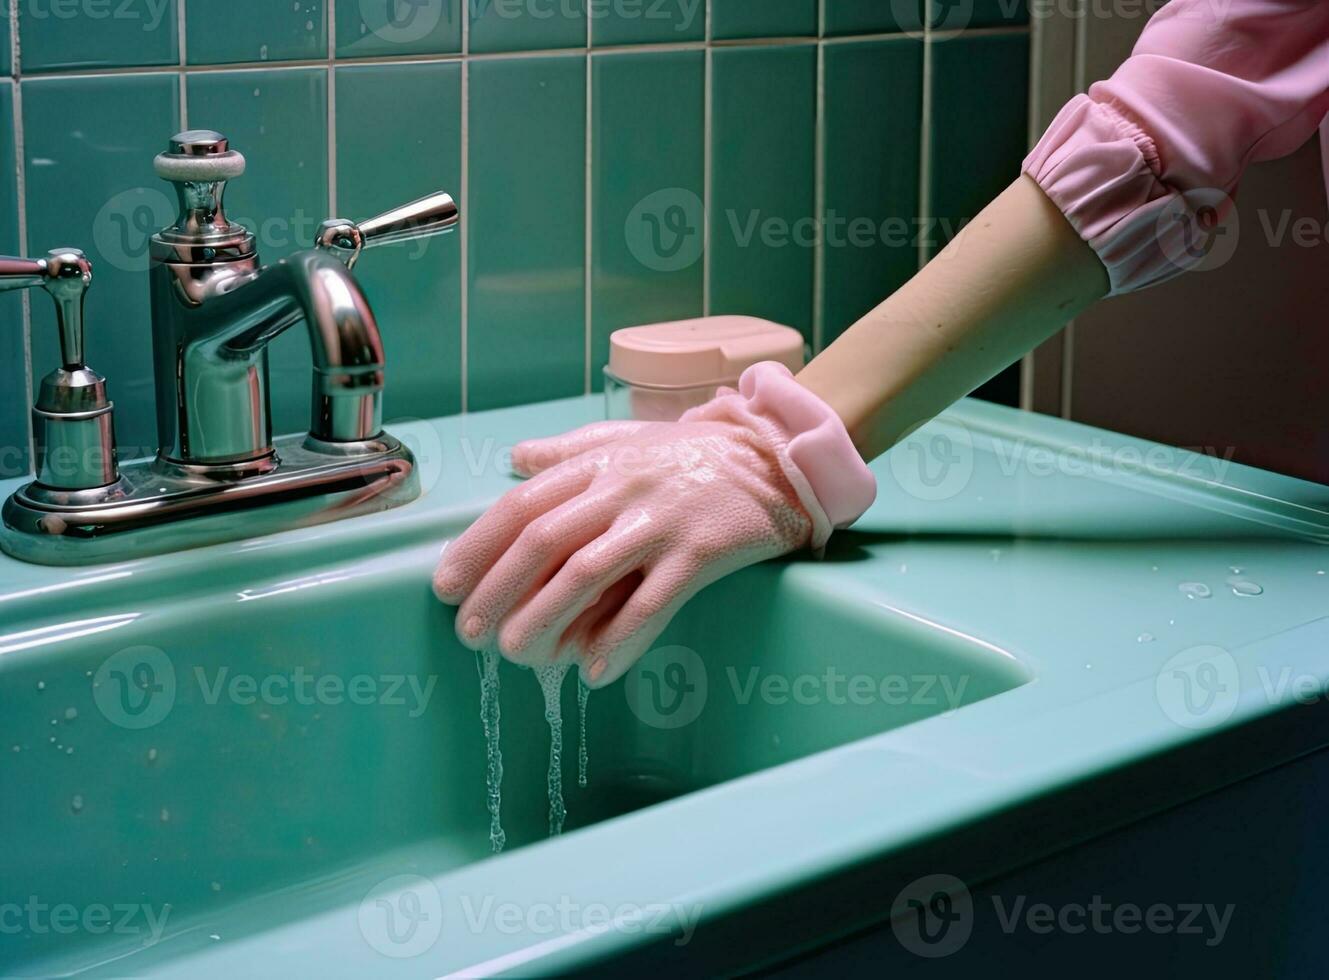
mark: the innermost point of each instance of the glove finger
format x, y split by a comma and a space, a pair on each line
621, 642
535, 628
466, 560
539, 550
537, 455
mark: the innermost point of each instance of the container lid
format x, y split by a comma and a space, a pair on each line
708, 350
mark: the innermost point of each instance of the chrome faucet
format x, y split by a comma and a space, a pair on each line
219, 473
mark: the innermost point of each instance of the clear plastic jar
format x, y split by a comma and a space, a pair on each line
654, 403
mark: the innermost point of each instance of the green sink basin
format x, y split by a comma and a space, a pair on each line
266, 758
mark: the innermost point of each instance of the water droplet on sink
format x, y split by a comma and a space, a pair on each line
1145, 638
18, 748
152, 755
995, 553
1245, 587
1153, 568
1319, 571
55, 721
1195, 590
41, 685
87, 673
166, 815
216, 886
71, 714
69, 751
214, 936
1172, 622
76, 804
1088, 666
1235, 569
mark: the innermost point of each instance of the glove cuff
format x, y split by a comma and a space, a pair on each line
817, 446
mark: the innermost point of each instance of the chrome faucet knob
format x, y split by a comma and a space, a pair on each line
435, 214
199, 162
73, 419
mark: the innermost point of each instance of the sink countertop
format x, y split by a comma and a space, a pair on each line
1060, 545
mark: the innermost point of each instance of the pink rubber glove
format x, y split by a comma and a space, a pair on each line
624, 522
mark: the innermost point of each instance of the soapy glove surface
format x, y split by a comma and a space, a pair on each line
623, 522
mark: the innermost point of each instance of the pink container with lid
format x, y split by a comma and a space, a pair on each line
658, 372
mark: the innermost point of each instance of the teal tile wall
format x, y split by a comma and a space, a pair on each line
647, 250
980, 96
731, 19
647, 21
527, 222
13, 353
4, 37
384, 159
90, 184
872, 175
230, 31
763, 183
588, 151
279, 120
126, 33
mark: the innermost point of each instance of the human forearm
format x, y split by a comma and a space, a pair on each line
1015, 274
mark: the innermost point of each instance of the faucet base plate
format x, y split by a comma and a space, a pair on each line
158, 507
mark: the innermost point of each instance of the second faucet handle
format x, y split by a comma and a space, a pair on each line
435, 214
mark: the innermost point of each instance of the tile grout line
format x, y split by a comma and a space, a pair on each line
589, 193
21, 193
182, 41
1068, 343
449, 57
707, 158
819, 191
331, 13
925, 142
464, 203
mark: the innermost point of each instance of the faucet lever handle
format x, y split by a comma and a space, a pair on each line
435, 214
66, 274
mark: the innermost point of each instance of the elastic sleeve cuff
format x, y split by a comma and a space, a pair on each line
1102, 171
819, 457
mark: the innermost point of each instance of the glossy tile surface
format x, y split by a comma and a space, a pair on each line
967, 129
527, 318
770, 18
14, 407
874, 93
229, 31
384, 160
763, 198
60, 34
647, 263
5, 63
90, 184
278, 120
520, 25
647, 21
392, 27
948, 15
874, 16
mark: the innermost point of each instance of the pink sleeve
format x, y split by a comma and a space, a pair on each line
1211, 87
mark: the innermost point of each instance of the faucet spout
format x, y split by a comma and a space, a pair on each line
213, 324
345, 346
